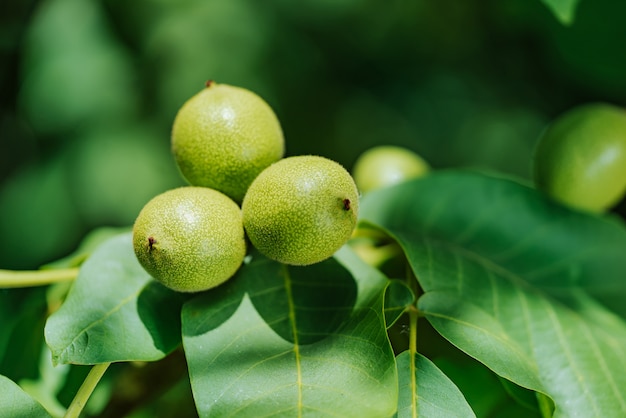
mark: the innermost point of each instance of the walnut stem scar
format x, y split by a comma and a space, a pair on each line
151, 242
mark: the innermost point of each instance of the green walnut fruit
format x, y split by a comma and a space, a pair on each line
301, 209
580, 159
374, 246
224, 136
190, 238
386, 165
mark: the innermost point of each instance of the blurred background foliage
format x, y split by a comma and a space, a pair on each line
89, 90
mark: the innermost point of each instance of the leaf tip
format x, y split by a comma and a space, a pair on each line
564, 10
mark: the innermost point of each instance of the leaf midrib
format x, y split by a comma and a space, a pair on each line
294, 330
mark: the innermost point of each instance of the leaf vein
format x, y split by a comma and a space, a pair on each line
568, 354
102, 318
504, 340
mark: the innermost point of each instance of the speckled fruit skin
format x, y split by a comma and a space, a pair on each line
301, 209
190, 238
224, 136
386, 165
580, 159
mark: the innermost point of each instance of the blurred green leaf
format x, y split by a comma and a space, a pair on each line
116, 170
426, 391
76, 89
49, 34
22, 316
37, 217
45, 388
564, 10
15, 403
74, 71
278, 339
505, 272
115, 311
222, 41
588, 52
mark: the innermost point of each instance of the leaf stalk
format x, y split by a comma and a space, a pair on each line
31, 278
85, 390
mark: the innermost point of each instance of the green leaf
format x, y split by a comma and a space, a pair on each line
483, 389
115, 311
282, 340
507, 276
510, 228
564, 10
523, 397
426, 392
16, 403
45, 388
22, 316
398, 297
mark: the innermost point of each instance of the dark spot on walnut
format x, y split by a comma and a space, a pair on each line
151, 242
209, 83
346, 204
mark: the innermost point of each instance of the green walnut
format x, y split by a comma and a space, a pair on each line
190, 239
580, 159
386, 165
224, 136
375, 247
301, 210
